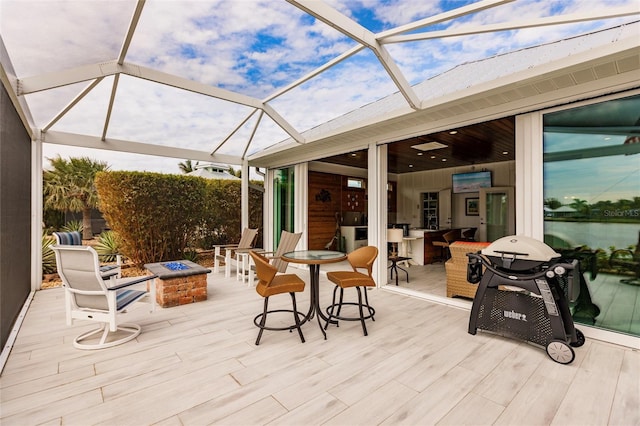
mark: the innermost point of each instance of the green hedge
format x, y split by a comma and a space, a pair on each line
161, 217
153, 214
222, 216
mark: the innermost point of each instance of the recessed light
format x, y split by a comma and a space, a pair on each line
433, 156
353, 154
427, 146
505, 152
453, 132
444, 159
410, 165
421, 153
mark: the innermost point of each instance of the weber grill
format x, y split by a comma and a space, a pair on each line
524, 292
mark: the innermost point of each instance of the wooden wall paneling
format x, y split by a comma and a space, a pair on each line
325, 197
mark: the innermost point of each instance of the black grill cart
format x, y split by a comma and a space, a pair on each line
523, 292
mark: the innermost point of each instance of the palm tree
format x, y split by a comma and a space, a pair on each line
581, 206
186, 166
69, 186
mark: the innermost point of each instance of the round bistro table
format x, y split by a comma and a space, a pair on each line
315, 258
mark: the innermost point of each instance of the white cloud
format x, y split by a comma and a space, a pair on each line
250, 46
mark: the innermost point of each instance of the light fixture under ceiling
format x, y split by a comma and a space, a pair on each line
428, 146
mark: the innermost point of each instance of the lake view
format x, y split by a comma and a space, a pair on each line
595, 234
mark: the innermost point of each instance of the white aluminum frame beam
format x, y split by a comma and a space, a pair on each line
11, 84
89, 72
445, 16
361, 35
85, 141
131, 31
590, 15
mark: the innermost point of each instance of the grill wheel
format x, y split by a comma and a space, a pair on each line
560, 352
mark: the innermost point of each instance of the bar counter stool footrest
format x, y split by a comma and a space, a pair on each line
270, 284
361, 258
335, 318
260, 319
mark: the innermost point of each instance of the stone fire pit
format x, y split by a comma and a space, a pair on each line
179, 282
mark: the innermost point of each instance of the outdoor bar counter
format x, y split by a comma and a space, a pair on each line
430, 235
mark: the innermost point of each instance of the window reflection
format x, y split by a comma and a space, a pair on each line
592, 202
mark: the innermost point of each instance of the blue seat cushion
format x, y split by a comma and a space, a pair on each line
126, 297
69, 238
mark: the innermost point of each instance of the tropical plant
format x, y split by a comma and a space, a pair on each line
48, 255
234, 172
69, 186
552, 203
72, 226
108, 246
187, 166
581, 206
191, 255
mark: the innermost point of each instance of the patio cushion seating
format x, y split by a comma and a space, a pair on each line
73, 238
270, 283
89, 297
361, 258
231, 250
68, 238
456, 268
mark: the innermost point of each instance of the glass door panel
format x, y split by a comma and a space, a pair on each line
497, 216
283, 203
592, 207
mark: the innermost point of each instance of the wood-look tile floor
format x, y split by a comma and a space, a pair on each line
198, 364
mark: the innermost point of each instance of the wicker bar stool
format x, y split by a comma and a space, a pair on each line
361, 258
270, 284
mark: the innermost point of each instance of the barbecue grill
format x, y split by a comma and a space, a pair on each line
523, 292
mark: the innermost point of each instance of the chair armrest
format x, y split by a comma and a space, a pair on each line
108, 274
131, 281
225, 245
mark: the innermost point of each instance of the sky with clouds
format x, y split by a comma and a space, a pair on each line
250, 47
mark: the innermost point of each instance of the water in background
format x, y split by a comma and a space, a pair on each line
595, 234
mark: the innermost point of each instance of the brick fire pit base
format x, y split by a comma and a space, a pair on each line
174, 287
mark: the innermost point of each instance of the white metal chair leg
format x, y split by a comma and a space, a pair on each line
132, 330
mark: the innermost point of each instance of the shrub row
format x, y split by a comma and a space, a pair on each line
158, 216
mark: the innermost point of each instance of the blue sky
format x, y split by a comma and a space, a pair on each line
252, 47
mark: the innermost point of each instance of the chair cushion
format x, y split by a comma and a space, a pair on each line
126, 297
285, 283
107, 268
346, 279
69, 238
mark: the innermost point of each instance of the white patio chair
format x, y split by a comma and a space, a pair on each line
89, 297
234, 253
74, 238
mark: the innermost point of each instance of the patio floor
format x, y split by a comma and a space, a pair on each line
198, 364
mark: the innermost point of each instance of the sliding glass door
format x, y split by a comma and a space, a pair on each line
283, 202
592, 206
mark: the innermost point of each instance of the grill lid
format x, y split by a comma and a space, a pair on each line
520, 247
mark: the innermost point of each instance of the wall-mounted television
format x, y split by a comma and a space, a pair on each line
471, 182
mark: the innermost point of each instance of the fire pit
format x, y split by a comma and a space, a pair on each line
179, 282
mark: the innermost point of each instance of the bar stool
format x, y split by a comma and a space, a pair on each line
270, 284
361, 258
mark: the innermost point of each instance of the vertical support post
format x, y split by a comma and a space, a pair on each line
377, 207
244, 195
36, 214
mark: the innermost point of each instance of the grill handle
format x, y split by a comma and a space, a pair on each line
476, 260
